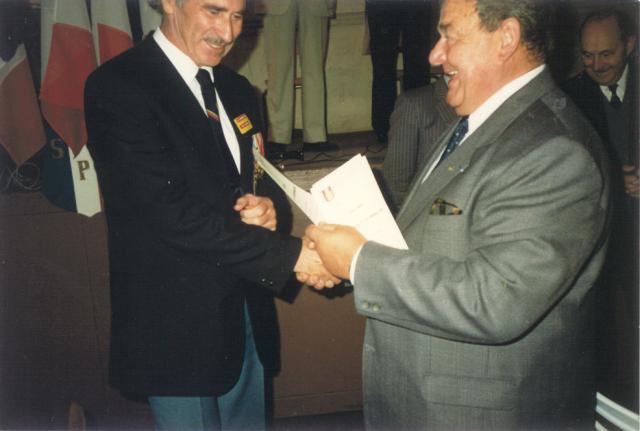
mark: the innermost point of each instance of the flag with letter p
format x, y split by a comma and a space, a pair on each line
68, 57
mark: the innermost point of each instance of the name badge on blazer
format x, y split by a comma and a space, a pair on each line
243, 123
442, 207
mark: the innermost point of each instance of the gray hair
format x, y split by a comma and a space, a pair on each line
157, 4
533, 16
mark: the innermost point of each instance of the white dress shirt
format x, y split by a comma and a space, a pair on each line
187, 69
622, 86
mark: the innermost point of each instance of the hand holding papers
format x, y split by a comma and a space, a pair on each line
348, 196
350, 201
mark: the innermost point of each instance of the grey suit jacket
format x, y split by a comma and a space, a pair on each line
485, 322
418, 121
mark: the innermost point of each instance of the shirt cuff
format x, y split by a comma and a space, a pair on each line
352, 268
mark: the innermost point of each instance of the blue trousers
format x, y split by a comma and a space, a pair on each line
242, 408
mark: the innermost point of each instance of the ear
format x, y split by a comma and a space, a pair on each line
169, 6
630, 45
509, 37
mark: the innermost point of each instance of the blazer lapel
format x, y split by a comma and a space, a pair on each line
173, 94
422, 193
235, 108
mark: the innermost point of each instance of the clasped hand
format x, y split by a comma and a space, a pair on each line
327, 249
335, 245
257, 210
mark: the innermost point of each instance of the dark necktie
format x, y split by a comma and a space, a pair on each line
615, 100
211, 104
458, 135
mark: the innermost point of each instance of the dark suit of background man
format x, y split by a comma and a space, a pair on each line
485, 322
190, 250
394, 24
607, 40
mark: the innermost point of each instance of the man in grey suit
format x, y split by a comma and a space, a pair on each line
485, 322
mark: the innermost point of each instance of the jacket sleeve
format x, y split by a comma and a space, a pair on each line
533, 230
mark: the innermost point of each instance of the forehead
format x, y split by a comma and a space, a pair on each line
228, 5
601, 34
455, 12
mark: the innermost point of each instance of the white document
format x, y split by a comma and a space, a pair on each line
349, 195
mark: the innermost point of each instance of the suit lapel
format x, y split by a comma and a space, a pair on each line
436, 131
422, 194
173, 95
235, 108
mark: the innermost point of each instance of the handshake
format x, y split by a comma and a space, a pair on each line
327, 253
327, 250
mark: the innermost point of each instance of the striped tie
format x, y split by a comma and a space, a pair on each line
211, 104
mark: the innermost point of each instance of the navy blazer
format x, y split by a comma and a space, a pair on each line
181, 261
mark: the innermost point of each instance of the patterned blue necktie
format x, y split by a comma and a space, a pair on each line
458, 135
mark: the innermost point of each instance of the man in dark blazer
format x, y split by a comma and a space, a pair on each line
485, 322
607, 41
190, 247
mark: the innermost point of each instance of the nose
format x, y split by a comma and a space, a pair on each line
226, 30
597, 63
588, 62
437, 55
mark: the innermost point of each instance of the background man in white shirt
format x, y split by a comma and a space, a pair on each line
608, 46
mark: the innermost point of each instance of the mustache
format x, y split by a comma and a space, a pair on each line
217, 41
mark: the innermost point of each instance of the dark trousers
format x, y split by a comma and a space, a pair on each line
394, 23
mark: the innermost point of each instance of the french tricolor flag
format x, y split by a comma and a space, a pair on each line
111, 28
68, 57
21, 130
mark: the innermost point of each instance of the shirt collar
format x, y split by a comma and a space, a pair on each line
622, 86
181, 61
484, 111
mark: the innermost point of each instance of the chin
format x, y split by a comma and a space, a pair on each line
603, 80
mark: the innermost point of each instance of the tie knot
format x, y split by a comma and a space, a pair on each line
204, 78
208, 93
615, 100
458, 135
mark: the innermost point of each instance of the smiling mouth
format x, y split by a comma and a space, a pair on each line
451, 74
216, 44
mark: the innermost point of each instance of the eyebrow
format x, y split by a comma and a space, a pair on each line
604, 51
220, 8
